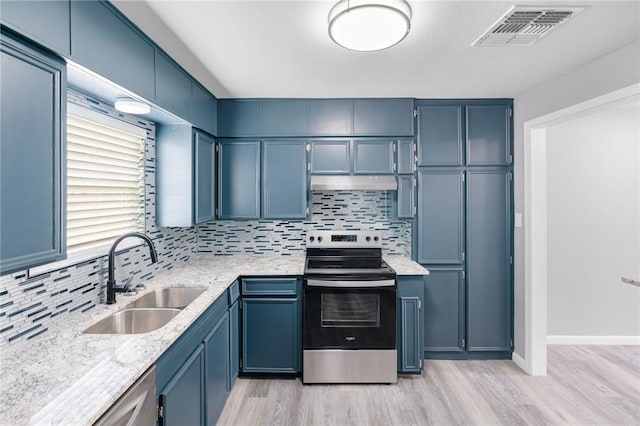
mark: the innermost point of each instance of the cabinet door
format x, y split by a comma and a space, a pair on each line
330, 117
204, 177
216, 353
444, 310
406, 197
237, 118
488, 135
239, 180
270, 335
489, 313
383, 117
330, 157
183, 397
173, 87
440, 135
32, 141
410, 351
287, 117
409, 323
440, 216
47, 22
406, 156
103, 42
373, 157
204, 110
284, 180
234, 347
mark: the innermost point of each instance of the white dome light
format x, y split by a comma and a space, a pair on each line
132, 106
368, 25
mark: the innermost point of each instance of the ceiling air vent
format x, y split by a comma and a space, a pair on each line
525, 25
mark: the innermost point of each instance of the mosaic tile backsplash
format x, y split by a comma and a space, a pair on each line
28, 306
340, 210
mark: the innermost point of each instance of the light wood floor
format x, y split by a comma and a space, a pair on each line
585, 385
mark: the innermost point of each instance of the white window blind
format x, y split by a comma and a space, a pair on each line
105, 182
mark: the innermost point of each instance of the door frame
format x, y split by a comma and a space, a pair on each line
535, 227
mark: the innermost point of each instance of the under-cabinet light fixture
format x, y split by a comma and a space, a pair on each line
132, 106
369, 25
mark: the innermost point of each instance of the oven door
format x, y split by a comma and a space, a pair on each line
348, 314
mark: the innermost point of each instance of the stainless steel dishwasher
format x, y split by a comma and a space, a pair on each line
137, 407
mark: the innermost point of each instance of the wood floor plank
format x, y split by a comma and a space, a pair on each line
585, 385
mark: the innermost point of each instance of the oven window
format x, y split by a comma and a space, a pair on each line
350, 310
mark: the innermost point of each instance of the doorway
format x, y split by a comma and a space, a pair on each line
536, 210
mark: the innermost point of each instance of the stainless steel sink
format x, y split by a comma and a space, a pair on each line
133, 321
168, 297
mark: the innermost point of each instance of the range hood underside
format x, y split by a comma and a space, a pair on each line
354, 183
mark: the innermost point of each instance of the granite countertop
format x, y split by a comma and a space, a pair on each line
403, 265
66, 377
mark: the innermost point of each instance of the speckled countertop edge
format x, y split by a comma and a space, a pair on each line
69, 378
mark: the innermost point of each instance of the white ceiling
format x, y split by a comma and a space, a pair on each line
280, 49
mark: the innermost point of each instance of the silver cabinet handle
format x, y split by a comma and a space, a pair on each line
630, 281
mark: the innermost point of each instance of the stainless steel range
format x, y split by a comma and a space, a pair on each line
349, 310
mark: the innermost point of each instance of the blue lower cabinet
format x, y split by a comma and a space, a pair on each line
409, 323
216, 352
234, 346
271, 335
444, 311
182, 398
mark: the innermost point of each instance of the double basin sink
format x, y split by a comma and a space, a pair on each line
148, 312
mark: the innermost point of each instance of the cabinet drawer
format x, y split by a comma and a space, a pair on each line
234, 292
269, 286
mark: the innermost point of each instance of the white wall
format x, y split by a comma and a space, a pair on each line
616, 70
593, 223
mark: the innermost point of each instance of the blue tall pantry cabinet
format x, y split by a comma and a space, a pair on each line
463, 233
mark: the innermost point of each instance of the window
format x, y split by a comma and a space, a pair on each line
105, 179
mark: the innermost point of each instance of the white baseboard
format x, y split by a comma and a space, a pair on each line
520, 362
593, 340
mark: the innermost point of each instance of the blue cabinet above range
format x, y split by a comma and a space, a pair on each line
315, 117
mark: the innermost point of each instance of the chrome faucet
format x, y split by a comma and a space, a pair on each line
112, 288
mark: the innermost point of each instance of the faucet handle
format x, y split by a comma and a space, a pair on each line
127, 289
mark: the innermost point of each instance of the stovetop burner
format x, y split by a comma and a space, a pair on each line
346, 253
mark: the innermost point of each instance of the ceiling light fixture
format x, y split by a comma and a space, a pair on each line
132, 106
369, 25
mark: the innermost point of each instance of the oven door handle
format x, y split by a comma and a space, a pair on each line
351, 284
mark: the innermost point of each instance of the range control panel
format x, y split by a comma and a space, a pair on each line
353, 239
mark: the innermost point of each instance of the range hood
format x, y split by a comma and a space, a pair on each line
354, 183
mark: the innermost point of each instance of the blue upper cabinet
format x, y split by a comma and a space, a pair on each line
285, 117
315, 117
406, 197
185, 176
239, 180
173, 87
439, 135
330, 117
440, 216
46, 22
488, 135
32, 164
373, 157
204, 112
103, 42
205, 177
383, 117
406, 156
284, 180
331, 157
239, 118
